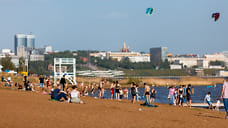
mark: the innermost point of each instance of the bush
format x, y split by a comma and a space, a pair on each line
135, 80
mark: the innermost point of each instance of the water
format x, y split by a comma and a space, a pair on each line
162, 94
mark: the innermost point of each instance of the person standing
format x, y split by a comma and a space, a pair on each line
171, 95
189, 92
147, 93
112, 89
63, 82
180, 95
208, 99
133, 93
152, 95
224, 96
41, 81
117, 91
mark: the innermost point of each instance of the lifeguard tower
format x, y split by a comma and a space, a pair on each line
67, 67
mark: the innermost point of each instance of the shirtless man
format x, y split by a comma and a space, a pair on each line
147, 93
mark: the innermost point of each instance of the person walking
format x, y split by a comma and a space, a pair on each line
41, 81
63, 82
224, 96
171, 95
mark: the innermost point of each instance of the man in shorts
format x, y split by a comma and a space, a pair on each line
189, 93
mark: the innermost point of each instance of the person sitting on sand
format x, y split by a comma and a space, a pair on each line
75, 96
58, 94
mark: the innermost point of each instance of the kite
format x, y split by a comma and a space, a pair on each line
149, 11
215, 16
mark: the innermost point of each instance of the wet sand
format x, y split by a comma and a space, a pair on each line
20, 109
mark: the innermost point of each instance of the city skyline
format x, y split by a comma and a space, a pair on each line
182, 26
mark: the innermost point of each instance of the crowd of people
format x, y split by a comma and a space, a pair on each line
178, 96
72, 93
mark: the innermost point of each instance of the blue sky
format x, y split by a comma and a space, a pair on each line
184, 26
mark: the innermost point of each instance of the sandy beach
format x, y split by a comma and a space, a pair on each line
20, 109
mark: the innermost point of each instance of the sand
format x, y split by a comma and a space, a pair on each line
20, 109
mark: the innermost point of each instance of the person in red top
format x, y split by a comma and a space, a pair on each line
48, 82
112, 89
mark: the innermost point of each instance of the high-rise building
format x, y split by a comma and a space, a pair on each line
22, 40
158, 54
19, 41
30, 39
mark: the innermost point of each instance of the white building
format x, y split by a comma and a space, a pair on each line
185, 61
102, 55
222, 73
175, 66
47, 49
36, 57
225, 53
140, 58
214, 57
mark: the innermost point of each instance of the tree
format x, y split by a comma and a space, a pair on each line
215, 63
22, 66
7, 63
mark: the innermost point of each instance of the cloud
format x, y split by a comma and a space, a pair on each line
117, 15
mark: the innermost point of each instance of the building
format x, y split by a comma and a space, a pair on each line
30, 40
47, 49
124, 48
214, 57
225, 53
158, 54
23, 40
188, 61
140, 58
175, 66
22, 52
121, 55
36, 57
222, 73
14, 59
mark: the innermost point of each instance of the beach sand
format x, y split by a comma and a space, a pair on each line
20, 109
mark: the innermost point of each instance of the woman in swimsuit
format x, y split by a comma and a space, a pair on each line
147, 93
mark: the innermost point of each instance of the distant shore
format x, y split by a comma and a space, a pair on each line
125, 82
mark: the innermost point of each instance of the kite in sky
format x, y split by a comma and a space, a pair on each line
215, 16
149, 11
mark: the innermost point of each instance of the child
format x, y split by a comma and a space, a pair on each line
217, 105
208, 99
121, 93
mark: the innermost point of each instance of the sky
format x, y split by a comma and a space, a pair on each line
184, 26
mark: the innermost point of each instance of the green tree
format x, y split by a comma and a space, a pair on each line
222, 63
7, 63
22, 66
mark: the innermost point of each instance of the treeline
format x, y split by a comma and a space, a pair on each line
41, 67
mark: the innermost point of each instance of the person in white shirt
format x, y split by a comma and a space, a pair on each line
75, 96
217, 105
208, 99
